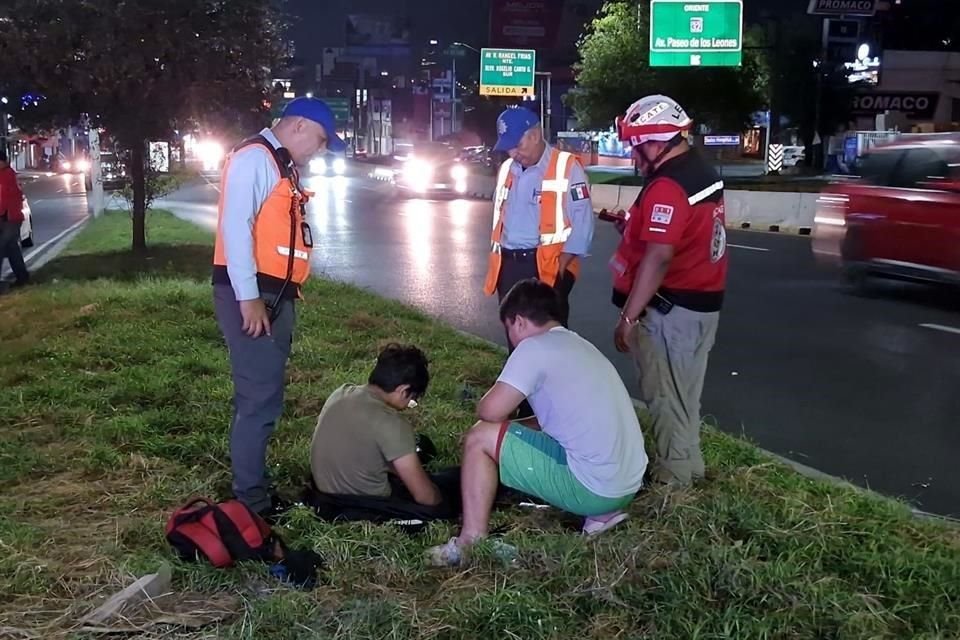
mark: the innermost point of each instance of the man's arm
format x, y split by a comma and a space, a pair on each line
522, 375
250, 178
11, 197
499, 403
416, 480
653, 267
580, 212
662, 215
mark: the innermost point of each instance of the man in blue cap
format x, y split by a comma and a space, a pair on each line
261, 259
542, 219
542, 215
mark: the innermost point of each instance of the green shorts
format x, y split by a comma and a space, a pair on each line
534, 463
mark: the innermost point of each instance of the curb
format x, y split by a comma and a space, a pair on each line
746, 226
776, 228
47, 251
51, 248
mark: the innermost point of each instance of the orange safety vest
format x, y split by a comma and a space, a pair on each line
278, 226
555, 227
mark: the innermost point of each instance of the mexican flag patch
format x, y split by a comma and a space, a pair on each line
579, 191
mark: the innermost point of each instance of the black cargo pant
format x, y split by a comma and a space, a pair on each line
521, 264
399, 505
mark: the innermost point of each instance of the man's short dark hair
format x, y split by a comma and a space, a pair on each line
398, 365
533, 299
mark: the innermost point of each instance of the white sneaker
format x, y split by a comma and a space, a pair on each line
446, 555
452, 554
595, 525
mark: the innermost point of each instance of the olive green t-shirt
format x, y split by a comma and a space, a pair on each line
356, 438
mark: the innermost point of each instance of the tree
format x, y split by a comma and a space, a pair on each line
794, 79
141, 69
613, 72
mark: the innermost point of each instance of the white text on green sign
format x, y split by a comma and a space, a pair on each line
706, 33
507, 71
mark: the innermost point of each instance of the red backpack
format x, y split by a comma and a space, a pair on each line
223, 533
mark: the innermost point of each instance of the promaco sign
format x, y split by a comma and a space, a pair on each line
842, 7
916, 106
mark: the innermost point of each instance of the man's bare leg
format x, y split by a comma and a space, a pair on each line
479, 479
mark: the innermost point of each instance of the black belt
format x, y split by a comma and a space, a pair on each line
520, 255
665, 300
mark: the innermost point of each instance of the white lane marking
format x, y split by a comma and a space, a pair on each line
56, 238
209, 182
941, 327
749, 248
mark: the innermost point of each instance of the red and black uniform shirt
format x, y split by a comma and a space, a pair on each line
681, 205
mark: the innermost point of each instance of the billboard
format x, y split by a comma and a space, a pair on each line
838, 8
916, 106
525, 24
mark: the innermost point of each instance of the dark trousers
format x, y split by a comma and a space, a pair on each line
515, 269
258, 367
399, 505
10, 249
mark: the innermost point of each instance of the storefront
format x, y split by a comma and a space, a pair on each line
918, 91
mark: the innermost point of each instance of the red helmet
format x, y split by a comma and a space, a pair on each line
652, 118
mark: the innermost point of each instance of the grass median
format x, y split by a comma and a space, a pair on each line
114, 405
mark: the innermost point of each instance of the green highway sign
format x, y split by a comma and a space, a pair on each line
688, 33
507, 72
340, 108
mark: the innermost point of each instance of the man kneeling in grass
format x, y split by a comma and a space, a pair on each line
584, 454
363, 456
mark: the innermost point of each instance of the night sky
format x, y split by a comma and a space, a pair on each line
320, 23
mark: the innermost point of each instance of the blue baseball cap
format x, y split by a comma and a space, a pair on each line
511, 125
316, 110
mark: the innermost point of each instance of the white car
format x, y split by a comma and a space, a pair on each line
26, 229
328, 165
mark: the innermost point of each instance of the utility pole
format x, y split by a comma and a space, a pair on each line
453, 98
545, 106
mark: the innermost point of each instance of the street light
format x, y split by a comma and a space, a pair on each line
453, 84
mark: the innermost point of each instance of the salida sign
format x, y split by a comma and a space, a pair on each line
916, 106
842, 7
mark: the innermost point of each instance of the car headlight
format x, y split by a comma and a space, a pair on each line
66, 165
83, 166
458, 172
318, 165
417, 171
339, 166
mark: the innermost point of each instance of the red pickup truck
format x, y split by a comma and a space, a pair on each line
900, 218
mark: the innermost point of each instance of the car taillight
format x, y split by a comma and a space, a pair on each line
831, 210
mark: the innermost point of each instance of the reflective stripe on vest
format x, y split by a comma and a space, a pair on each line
554, 227
559, 185
279, 215
504, 182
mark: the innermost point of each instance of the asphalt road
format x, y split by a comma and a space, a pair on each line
860, 387
57, 202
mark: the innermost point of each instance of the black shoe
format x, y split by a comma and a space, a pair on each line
278, 507
16, 284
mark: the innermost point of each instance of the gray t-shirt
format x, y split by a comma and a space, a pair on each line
356, 438
580, 402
